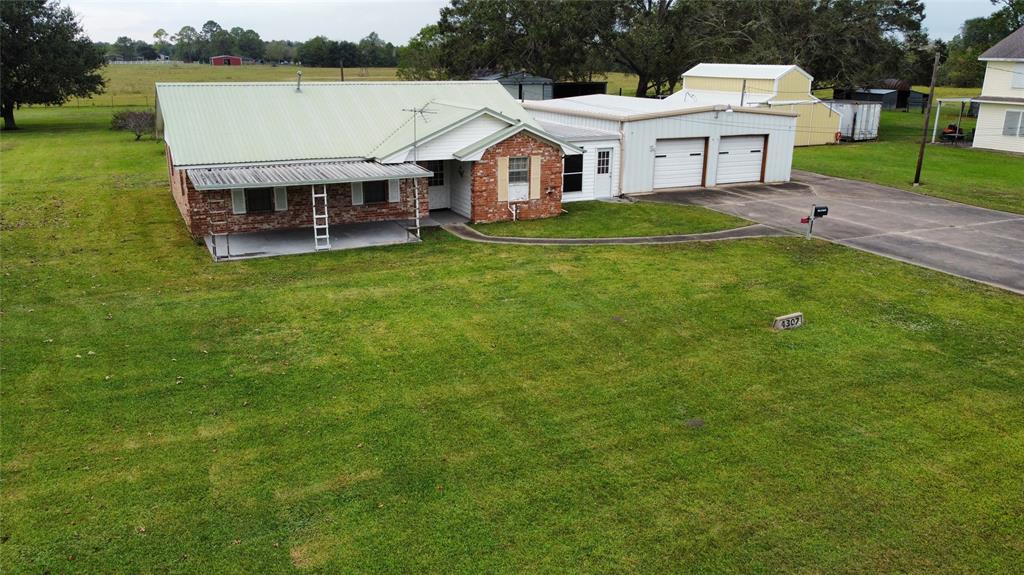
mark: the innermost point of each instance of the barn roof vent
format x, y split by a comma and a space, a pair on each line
298, 81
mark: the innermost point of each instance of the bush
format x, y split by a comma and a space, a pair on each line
139, 122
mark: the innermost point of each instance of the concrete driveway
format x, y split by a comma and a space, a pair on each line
975, 243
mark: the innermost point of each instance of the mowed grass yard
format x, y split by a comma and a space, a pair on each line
960, 173
459, 407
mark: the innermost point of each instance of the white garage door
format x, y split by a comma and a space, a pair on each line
678, 163
740, 159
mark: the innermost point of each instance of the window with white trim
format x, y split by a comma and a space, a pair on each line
518, 179
1013, 124
604, 161
572, 174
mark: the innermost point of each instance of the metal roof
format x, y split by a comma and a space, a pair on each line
245, 122
577, 133
478, 146
1009, 48
626, 108
294, 174
748, 71
711, 97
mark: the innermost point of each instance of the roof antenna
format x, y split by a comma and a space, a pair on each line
298, 81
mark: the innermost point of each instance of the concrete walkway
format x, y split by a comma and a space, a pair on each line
976, 243
755, 231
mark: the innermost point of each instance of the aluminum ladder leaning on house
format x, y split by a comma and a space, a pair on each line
321, 232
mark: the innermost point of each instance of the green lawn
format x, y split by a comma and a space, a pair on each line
609, 220
461, 407
988, 179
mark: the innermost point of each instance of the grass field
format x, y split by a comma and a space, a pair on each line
978, 177
607, 220
460, 407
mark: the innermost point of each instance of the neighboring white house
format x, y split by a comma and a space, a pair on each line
1001, 104
784, 87
635, 145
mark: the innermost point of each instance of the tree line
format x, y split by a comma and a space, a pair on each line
840, 42
192, 45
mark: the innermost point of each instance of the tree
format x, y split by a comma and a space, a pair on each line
124, 48
139, 122
46, 57
187, 44
319, 52
279, 51
962, 67
162, 42
421, 59
249, 43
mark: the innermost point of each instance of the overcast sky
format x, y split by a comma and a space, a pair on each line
395, 20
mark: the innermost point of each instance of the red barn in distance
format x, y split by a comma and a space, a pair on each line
225, 60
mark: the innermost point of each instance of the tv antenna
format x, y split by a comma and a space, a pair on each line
422, 113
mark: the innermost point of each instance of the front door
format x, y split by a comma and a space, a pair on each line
438, 194
603, 173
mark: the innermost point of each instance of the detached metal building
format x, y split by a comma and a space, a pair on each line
524, 86
664, 145
226, 60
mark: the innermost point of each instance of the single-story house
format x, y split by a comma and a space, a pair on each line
636, 145
225, 60
785, 87
254, 158
1001, 114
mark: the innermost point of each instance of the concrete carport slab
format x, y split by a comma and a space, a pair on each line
976, 243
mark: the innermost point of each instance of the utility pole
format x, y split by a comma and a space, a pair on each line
743, 92
341, 65
415, 144
927, 116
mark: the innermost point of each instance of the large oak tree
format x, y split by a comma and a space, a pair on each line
46, 57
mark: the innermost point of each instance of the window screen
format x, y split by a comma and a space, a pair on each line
375, 192
259, 200
1011, 124
519, 170
436, 166
572, 174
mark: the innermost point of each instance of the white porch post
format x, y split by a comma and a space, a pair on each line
938, 112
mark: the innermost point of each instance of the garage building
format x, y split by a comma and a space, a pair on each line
636, 145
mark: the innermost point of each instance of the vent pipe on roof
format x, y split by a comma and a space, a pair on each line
298, 81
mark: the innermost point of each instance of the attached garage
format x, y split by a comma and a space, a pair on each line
679, 163
666, 144
741, 159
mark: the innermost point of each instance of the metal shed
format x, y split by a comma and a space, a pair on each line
524, 86
890, 98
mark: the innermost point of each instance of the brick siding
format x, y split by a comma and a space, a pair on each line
199, 208
485, 204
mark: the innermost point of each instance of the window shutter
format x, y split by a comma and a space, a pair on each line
357, 193
280, 199
238, 201
502, 179
534, 177
394, 190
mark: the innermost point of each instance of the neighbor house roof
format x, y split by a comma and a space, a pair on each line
1009, 48
712, 97
748, 71
625, 108
242, 123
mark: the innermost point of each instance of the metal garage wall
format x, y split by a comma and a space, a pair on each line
640, 137
571, 120
590, 169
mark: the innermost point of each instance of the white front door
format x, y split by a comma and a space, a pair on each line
603, 173
740, 159
678, 163
438, 193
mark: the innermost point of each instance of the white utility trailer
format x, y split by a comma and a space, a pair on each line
860, 119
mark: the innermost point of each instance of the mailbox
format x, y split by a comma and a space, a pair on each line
820, 211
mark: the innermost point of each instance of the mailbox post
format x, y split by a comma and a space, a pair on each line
816, 212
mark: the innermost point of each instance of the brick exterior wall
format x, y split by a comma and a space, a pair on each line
198, 208
485, 204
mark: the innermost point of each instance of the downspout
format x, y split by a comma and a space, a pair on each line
622, 157
514, 208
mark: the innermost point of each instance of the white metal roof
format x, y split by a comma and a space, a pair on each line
232, 123
712, 97
293, 174
577, 133
748, 71
625, 108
